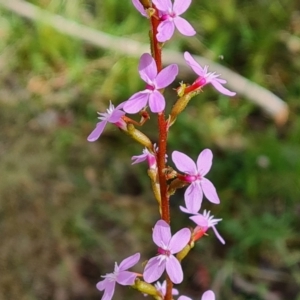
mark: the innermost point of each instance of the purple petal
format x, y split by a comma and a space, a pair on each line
161, 234
218, 235
157, 102
116, 116
126, 278
220, 88
179, 240
209, 191
163, 5
109, 289
136, 102
200, 220
165, 31
138, 158
180, 6
185, 210
208, 295
184, 163
193, 64
184, 298
154, 269
147, 68
174, 269
137, 4
129, 262
101, 285
184, 27
166, 76
95, 134
193, 198
204, 161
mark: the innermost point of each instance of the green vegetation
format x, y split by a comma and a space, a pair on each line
70, 208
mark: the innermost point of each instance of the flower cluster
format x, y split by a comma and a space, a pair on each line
165, 17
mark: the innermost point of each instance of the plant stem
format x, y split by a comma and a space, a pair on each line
162, 140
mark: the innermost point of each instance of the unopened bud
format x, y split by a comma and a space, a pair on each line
146, 288
139, 136
180, 105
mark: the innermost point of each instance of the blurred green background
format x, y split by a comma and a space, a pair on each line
69, 209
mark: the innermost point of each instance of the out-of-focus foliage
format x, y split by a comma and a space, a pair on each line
70, 208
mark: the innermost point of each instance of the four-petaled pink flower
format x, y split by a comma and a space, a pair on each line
155, 82
208, 295
120, 275
168, 246
205, 221
170, 18
113, 115
195, 176
206, 77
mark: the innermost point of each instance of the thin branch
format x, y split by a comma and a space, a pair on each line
269, 102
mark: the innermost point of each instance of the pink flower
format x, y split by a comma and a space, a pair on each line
147, 155
162, 288
167, 246
114, 116
155, 82
195, 176
206, 77
120, 275
204, 222
208, 295
170, 16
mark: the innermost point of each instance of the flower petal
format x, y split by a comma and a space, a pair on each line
204, 161
126, 278
184, 27
200, 220
154, 269
136, 159
161, 234
185, 210
193, 64
184, 163
115, 116
136, 102
209, 191
165, 31
179, 240
180, 6
166, 76
184, 298
95, 134
163, 5
218, 235
174, 270
129, 262
157, 102
147, 68
220, 88
137, 4
193, 197
109, 289
208, 295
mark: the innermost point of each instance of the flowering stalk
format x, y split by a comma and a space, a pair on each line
164, 17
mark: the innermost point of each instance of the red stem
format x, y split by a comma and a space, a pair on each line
162, 140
